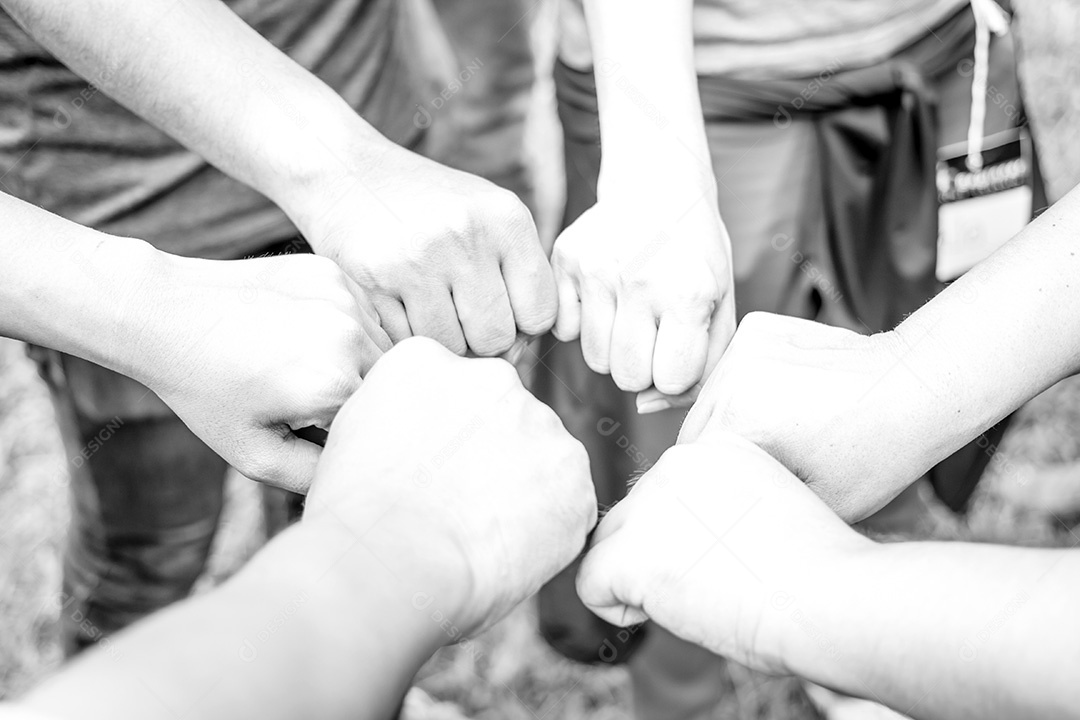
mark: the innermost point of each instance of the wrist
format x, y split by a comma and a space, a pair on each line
350, 156
891, 415
121, 275
342, 598
661, 146
147, 309
829, 621
928, 413
668, 193
425, 572
676, 179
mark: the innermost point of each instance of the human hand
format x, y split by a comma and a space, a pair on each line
725, 548
649, 292
442, 254
830, 404
248, 351
453, 460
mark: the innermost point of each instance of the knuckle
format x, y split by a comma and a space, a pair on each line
510, 209
634, 279
673, 385
456, 215
598, 270
674, 380
537, 319
494, 339
537, 271
566, 329
597, 363
695, 295
595, 353
630, 376
534, 297
452, 340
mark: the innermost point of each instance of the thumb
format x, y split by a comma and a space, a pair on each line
696, 421
369, 321
604, 584
701, 413
282, 460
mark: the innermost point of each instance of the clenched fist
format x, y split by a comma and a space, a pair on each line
247, 351
454, 455
724, 547
648, 290
442, 254
833, 405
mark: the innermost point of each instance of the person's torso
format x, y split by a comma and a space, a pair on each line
66, 146
786, 38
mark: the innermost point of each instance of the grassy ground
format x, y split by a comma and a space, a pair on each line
510, 673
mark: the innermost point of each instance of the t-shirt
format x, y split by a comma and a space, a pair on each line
66, 146
785, 38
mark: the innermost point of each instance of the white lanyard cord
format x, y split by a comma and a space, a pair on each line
989, 18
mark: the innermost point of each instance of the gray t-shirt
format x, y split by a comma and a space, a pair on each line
70, 149
786, 38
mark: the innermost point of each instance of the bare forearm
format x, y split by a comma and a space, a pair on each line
1001, 334
70, 288
292, 636
650, 108
197, 71
949, 630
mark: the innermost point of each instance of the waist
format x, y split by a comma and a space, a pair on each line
763, 39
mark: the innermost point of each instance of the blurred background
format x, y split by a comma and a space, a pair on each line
1030, 494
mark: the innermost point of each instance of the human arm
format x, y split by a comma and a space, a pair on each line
293, 634
723, 546
244, 351
860, 418
644, 276
446, 495
441, 253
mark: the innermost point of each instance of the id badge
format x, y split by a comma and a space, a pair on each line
979, 210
